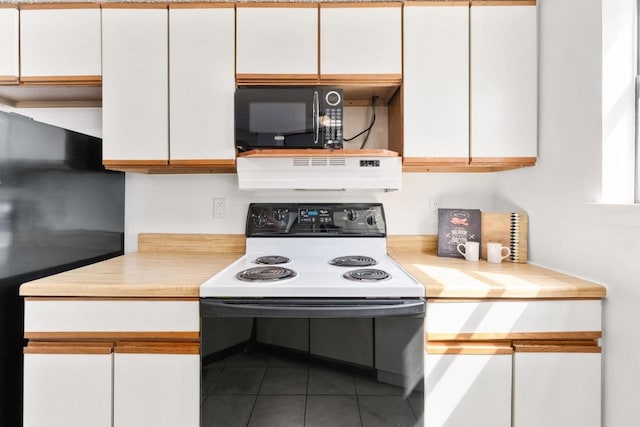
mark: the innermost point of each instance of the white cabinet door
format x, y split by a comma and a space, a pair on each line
349, 340
67, 386
277, 40
360, 39
555, 389
436, 82
503, 81
135, 90
156, 390
58, 44
202, 84
9, 42
468, 389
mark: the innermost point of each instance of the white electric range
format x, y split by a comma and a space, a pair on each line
314, 251
316, 284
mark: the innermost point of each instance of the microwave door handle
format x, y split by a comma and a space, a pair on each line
316, 117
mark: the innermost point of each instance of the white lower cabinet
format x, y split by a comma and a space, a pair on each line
67, 385
557, 389
94, 384
519, 363
156, 390
467, 386
111, 363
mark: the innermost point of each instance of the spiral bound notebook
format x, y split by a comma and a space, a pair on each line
508, 228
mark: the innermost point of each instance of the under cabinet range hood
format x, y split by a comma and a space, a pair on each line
319, 170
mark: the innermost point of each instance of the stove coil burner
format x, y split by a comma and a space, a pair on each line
272, 259
353, 261
367, 275
265, 274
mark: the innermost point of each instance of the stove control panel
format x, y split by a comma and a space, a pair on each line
316, 219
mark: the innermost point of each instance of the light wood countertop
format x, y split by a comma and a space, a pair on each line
457, 278
167, 265
170, 266
141, 274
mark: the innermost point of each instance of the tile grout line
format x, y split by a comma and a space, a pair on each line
355, 389
253, 407
306, 398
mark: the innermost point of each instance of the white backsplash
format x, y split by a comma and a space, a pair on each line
184, 203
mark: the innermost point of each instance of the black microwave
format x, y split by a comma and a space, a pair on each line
288, 117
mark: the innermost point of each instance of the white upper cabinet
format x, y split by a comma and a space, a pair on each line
60, 45
9, 52
361, 39
277, 40
202, 84
503, 80
135, 90
436, 82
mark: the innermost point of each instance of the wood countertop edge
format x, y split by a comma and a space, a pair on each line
126, 291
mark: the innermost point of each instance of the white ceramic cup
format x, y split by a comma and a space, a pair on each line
495, 252
471, 250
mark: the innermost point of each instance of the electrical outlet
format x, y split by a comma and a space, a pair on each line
434, 205
219, 207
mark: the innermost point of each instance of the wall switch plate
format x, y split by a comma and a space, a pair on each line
219, 207
434, 205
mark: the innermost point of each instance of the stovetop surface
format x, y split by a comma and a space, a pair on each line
315, 276
311, 235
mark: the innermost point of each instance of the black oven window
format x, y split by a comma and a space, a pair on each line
282, 118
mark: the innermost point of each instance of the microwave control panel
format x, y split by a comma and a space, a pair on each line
331, 121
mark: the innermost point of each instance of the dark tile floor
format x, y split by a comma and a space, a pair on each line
265, 390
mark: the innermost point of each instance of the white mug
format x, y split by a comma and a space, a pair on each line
471, 250
495, 252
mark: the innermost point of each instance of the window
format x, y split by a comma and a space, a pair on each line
637, 115
620, 164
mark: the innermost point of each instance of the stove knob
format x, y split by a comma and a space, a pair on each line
260, 220
371, 220
352, 215
282, 215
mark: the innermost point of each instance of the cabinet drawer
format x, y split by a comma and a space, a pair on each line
48, 315
511, 319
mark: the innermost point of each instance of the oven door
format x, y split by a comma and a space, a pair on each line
312, 307
274, 117
306, 361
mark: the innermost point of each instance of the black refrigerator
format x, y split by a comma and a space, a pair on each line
59, 209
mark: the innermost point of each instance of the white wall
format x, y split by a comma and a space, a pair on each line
567, 233
184, 203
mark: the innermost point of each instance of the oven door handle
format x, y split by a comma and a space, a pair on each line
284, 308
